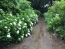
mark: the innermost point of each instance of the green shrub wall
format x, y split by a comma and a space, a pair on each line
55, 18
17, 18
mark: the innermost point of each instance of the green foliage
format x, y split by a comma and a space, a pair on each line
39, 4
17, 18
55, 18
14, 6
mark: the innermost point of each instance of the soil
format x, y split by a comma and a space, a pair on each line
39, 39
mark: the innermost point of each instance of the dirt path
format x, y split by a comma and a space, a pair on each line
40, 39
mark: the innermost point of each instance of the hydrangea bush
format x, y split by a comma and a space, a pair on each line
17, 20
55, 18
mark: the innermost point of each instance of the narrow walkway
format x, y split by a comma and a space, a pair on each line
40, 39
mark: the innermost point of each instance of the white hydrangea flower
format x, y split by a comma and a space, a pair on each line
22, 18
0, 9
20, 22
0, 21
17, 32
8, 35
25, 24
15, 19
28, 30
57, 14
14, 23
22, 36
19, 28
10, 14
31, 23
10, 23
6, 27
26, 35
19, 39
8, 30
47, 5
29, 34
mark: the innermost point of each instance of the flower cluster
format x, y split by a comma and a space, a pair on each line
16, 26
15, 29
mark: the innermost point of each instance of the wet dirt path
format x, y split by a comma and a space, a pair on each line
40, 39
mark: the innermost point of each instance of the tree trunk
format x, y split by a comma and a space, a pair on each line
51, 2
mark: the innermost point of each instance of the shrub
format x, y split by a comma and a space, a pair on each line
55, 18
17, 20
14, 6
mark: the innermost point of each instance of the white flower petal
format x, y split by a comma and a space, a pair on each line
22, 18
0, 21
15, 19
10, 14
26, 35
22, 36
17, 32
5, 26
19, 39
20, 22
19, 28
8, 30
14, 23
29, 34
10, 23
8, 36
28, 30
0, 9
25, 24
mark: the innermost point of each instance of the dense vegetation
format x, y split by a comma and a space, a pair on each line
16, 20
39, 4
55, 18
